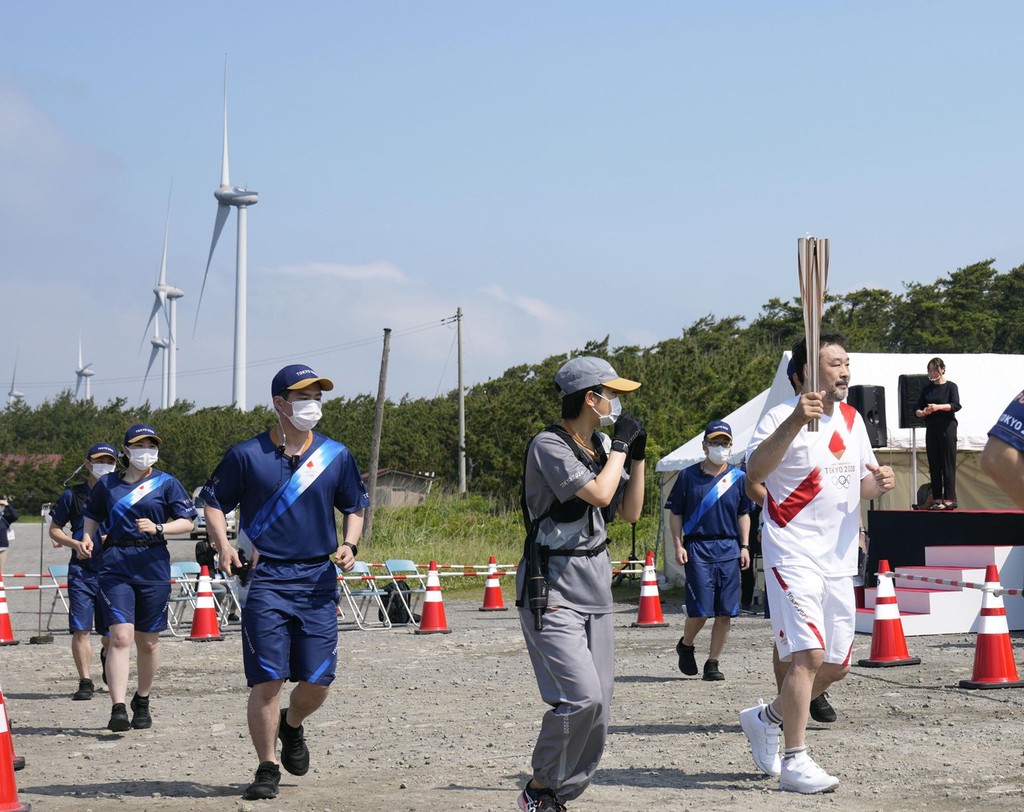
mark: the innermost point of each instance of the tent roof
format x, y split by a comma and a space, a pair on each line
987, 382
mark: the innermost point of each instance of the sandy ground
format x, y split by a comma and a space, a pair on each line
447, 722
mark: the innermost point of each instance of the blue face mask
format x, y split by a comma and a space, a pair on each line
610, 418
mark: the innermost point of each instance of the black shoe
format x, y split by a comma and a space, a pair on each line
268, 776
140, 713
103, 664
711, 672
85, 690
821, 710
119, 718
687, 662
19, 763
294, 753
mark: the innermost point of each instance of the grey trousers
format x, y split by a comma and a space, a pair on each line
574, 662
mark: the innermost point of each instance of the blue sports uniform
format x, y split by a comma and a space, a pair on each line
1010, 426
710, 507
135, 568
86, 610
286, 511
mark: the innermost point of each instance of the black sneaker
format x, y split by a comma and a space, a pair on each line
85, 690
119, 718
103, 663
821, 710
687, 662
19, 763
545, 802
711, 671
294, 753
268, 776
140, 713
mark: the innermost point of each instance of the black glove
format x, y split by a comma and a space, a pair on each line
638, 448
628, 428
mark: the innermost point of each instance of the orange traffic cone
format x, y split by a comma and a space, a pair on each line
8, 787
888, 645
493, 599
204, 620
433, 620
650, 602
993, 655
6, 632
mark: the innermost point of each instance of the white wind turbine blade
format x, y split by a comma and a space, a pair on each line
225, 182
152, 357
160, 296
218, 227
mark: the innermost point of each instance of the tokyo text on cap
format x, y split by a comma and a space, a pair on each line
140, 431
297, 376
586, 372
717, 428
101, 450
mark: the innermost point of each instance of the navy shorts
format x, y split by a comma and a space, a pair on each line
713, 588
86, 611
135, 586
290, 623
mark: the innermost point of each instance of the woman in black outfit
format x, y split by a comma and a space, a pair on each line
938, 405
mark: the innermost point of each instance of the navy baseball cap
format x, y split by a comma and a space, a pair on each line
297, 376
139, 432
717, 428
101, 450
791, 369
586, 372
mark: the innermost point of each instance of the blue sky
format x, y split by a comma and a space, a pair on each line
560, 171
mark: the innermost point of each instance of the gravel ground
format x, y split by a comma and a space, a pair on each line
447, 722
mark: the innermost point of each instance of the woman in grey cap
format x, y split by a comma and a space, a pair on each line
575, 478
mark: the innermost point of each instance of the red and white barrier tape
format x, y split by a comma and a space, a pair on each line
995, 590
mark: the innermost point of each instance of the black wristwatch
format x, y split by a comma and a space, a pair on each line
353, 547
620, 445
159, 529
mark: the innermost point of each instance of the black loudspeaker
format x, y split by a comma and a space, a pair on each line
910, 391
870, 402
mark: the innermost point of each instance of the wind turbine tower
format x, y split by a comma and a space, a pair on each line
166, 300
233, 196
13, 395
83, 372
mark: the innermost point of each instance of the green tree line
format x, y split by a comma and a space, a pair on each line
713, 366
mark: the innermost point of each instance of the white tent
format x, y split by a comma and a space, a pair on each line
986, 383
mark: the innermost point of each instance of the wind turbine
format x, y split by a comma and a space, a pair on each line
85, 372
158, 344
241, 198
166, 299
13, 395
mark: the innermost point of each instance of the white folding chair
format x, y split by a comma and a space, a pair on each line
405, 570
365, 598
183, 594
59, 576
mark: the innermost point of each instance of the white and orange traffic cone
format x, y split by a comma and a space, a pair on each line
649, 614
6, 632
993, 654
8, 786
204, 619
888, 643
433, 620
494, 601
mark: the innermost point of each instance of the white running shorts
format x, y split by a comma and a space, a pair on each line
811, 610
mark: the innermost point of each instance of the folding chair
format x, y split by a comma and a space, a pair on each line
183, 594
58, 574
365, 598
402, 569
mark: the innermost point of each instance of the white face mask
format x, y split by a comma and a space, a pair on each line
718, 454
306, 414
101, 469
610, 418
143, 458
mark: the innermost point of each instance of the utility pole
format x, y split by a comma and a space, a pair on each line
378, 423
462, 410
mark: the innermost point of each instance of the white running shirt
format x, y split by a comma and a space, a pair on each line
812, 510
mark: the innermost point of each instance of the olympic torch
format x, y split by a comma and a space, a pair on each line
812, 261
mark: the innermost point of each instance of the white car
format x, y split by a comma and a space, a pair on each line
199, 531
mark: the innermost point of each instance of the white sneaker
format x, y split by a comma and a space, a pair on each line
764, 740
802, 774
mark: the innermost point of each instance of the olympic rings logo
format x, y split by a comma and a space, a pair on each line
841, 481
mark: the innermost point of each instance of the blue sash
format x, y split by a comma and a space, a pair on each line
718, 490
284, 497
136, 495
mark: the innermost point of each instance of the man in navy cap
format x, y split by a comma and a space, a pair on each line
710, 525
286, 483
85, 611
